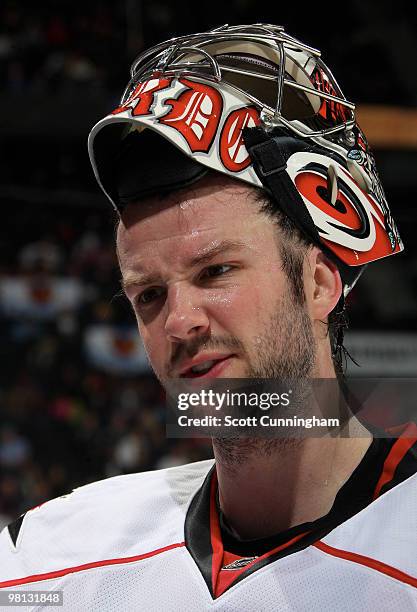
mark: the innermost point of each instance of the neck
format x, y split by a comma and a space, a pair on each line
295, 481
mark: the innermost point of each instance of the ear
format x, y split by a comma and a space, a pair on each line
324, 285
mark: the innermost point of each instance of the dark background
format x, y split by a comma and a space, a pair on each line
65, 419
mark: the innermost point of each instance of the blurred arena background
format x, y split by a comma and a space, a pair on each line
77, 400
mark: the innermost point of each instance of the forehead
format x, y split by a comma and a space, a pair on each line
215, 206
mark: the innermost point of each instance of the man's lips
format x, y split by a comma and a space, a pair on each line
219, 364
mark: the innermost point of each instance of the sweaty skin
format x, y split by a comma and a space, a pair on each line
203, 272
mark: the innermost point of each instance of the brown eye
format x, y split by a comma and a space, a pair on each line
216, 270
149, 295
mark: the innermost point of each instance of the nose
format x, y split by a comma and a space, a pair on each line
187, 317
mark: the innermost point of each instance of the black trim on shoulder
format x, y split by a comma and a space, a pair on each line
14, 528
197, 531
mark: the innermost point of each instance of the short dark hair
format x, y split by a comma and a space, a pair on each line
293, 247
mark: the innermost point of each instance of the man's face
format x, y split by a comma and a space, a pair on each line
203, 272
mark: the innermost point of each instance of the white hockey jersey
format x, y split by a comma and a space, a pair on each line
118, 545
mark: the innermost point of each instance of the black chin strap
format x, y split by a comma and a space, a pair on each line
269, 155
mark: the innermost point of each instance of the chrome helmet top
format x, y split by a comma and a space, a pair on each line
258, 105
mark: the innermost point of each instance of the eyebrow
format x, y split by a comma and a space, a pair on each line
210, 252
137, 279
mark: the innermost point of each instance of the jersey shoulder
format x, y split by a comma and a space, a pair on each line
383, 531
117, 517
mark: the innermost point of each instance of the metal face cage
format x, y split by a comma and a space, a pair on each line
283, 77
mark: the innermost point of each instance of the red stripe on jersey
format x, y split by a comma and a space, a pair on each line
215, 534
398, 451
285, 545
388, 570
87, 566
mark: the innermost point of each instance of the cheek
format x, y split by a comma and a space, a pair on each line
223, 302
152, 340
255, 306
236, 310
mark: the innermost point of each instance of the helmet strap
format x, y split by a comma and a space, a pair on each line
269, 154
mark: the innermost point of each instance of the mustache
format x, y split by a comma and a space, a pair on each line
188, 350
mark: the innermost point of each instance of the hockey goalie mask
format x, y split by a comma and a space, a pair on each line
258, 105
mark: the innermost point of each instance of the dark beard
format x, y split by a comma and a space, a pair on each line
287, 347
286, 352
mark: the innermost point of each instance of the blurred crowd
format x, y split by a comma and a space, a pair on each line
61, 46
50, 46
78, 400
